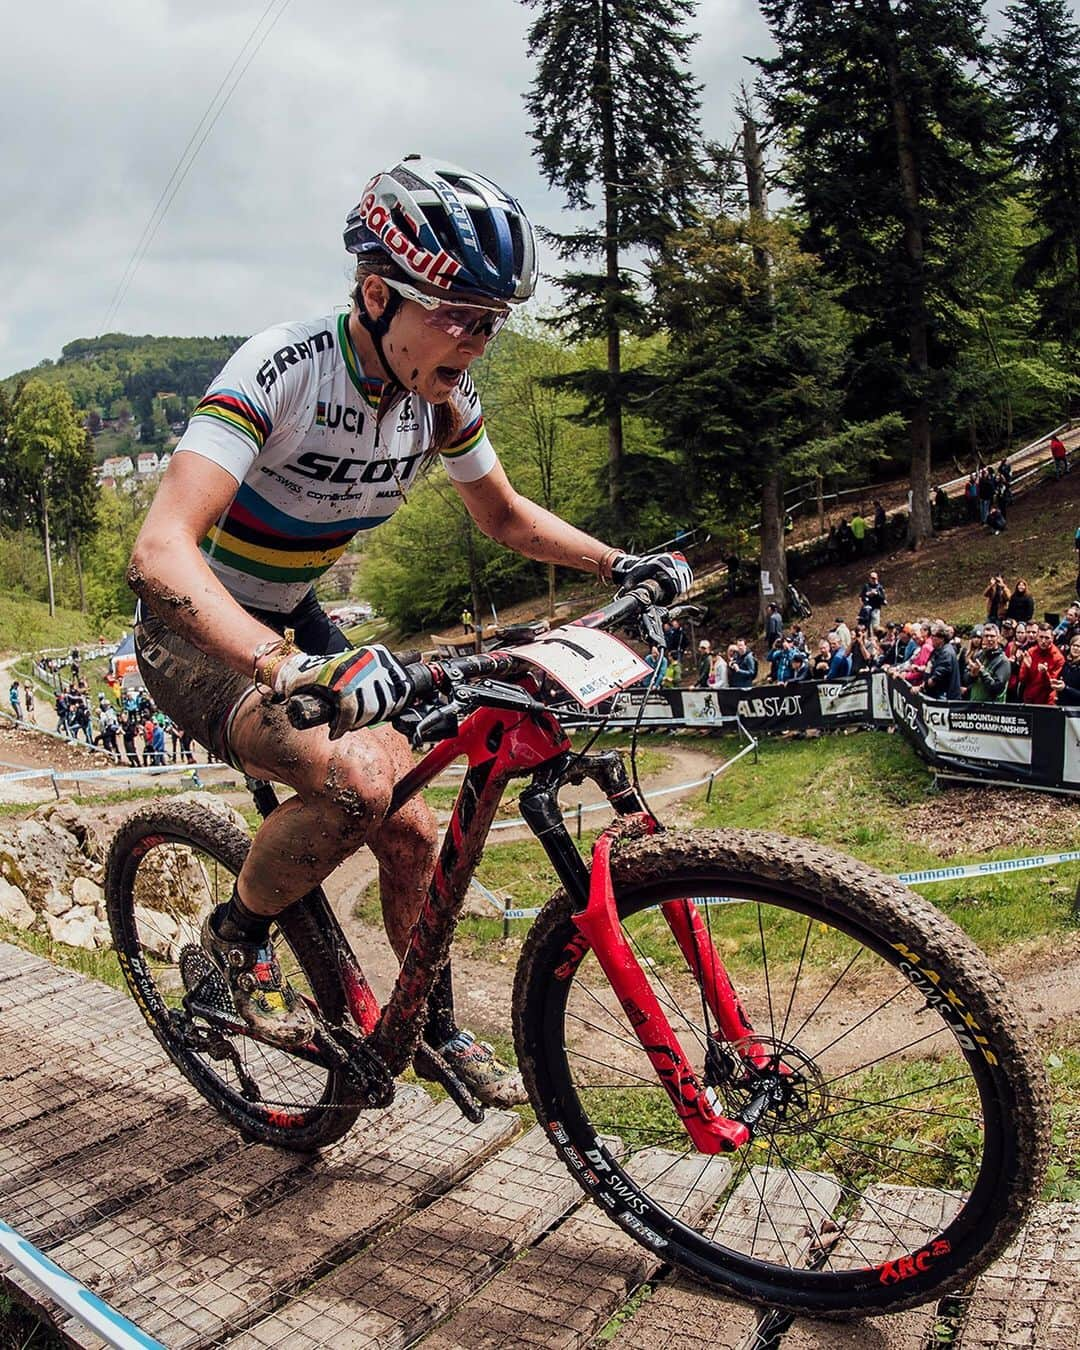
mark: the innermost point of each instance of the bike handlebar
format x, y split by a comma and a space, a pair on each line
426, 678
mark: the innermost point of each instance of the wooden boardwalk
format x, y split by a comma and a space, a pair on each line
418, 1229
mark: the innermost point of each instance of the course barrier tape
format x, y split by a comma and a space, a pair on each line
117, 771
927, 877
986, 869
114, 1329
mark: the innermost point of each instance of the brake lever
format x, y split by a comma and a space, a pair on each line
494, 694
652, 626
694, 612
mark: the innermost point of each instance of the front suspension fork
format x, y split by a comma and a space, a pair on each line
599, 924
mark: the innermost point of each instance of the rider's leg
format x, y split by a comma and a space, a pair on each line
342, 793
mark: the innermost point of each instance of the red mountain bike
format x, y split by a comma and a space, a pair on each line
776, 1068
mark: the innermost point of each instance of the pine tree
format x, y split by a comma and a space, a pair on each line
893, 143
1039, 62
616, 127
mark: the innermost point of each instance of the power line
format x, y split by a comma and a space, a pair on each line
189, 154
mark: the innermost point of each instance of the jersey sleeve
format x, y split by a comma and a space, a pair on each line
470, 455
242, 406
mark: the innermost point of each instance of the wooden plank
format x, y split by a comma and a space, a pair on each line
84, 1189
1031, 1295
562, 1291
129, 1061
240, 1255
683, 1312
33, 1148
16, 961
20, 993
890, 1222
111, 1253
397, 1289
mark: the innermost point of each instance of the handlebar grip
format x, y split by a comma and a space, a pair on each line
305, 711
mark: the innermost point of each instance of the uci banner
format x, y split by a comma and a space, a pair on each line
1014, 742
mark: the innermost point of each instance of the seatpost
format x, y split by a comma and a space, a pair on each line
266, 799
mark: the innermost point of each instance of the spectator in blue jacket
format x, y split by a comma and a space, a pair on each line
943, 673
839, 661
799, 668
780, 660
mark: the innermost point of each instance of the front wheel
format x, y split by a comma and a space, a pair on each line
906, 1131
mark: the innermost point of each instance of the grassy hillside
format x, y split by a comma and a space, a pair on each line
945, 578
25, 626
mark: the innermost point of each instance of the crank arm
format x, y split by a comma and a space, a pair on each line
429, 1064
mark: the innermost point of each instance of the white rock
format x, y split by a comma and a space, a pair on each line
102, 934
157, 931
77, 933
87, 892
56, 902
14, 908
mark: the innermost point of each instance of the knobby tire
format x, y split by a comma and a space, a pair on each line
145, 862
959, 1108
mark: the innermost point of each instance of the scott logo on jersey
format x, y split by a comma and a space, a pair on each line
326, 468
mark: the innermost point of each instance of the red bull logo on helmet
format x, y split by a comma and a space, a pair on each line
438, 268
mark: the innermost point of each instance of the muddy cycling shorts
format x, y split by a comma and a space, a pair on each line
200, 693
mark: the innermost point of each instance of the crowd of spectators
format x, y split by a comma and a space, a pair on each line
1010, 657
123, 722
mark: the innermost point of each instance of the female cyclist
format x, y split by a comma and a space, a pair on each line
312, 432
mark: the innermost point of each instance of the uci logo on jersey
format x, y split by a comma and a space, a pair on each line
284, 357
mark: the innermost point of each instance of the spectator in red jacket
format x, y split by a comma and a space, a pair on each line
1060, 456
1039, 666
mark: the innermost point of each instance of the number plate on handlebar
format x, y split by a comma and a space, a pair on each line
589, 663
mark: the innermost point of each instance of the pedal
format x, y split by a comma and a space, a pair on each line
207, 989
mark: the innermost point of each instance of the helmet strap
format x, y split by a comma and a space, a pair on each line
378, 328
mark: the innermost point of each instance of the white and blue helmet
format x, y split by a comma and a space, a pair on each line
448, 227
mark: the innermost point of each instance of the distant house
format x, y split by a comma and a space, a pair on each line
147, 463
115, 467
163, 462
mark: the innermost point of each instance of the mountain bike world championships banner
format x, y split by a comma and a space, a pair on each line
1016, 742
1012, 742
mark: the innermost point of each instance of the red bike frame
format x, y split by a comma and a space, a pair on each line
498, 746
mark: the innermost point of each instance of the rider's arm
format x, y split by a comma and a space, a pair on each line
504, 515
169, 574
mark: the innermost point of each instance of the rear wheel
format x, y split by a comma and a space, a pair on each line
168, 866
906, 1130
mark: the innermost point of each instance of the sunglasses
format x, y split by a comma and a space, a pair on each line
456, 321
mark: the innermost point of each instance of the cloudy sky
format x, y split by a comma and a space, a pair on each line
99, 100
